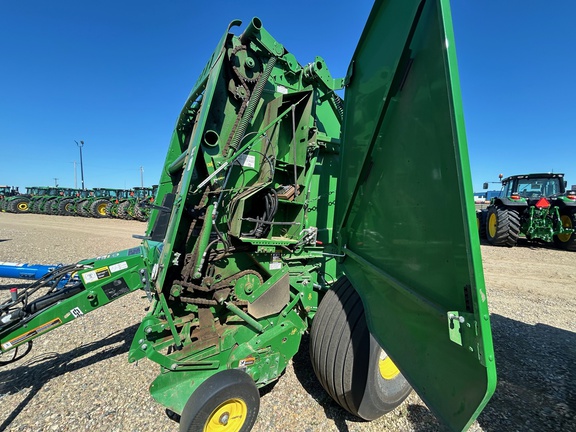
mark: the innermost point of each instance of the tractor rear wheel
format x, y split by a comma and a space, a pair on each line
48, 207
481, 217
349, 363
502, 226
81, 208
568, 220
123, 210
98, 208
66, 207
227, 401
20, 205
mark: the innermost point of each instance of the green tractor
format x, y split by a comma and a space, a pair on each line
95, 204
50, 204
38, 196
121, 196
7, 194
534, 205
137, 204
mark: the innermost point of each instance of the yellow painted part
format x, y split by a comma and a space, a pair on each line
388, 369
492, 224
23, 206
566, 223
101, 209
228, 417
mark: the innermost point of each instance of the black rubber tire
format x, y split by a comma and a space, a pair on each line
230, 386
65, 207
123, 210
346, 357
502, 226
98, 208
49, 207
17, 205
35, 207
81, 209
481, 220
111, 209
139, 214
568, 219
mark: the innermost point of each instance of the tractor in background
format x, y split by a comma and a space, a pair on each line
121, 196
7, 192
136, 205
94, 204
537, 206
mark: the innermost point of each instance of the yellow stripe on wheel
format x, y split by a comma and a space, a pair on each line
388, 369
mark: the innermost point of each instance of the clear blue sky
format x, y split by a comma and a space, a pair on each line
116, 73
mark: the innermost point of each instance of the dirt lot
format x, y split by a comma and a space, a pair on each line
78, 378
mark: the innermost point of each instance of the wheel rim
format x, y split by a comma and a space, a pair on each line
492, 224
23, 206
566, 223
388, 369
102, 209
228, 417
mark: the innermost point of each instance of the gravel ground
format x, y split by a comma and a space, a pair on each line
78, 378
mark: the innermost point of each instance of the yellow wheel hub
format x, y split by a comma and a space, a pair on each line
228, 417
102, 209
23, 206
492, 224
566, 223
388, 369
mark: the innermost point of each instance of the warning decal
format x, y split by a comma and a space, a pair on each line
94, 275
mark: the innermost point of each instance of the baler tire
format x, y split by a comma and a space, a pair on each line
567, 241
98, 208
230, 394
349, 363
502, 226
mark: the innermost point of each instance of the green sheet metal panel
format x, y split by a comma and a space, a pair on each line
406, 211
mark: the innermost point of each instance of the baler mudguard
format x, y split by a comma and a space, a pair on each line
405, 213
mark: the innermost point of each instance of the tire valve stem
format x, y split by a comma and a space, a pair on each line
14, 294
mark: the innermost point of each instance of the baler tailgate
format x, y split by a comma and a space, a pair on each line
406, 212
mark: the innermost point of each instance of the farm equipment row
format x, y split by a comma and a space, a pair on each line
99, 202
284, 209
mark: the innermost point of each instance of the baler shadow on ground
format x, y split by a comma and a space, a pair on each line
37, 370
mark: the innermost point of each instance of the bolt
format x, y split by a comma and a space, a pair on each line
148, 330
144, 280
142, 271
174, 366
144, 347
224, 418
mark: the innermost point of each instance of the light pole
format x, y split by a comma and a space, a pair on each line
81, 165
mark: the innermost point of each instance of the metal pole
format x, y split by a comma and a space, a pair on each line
75, 175
142, 176
80, 145
55, 181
